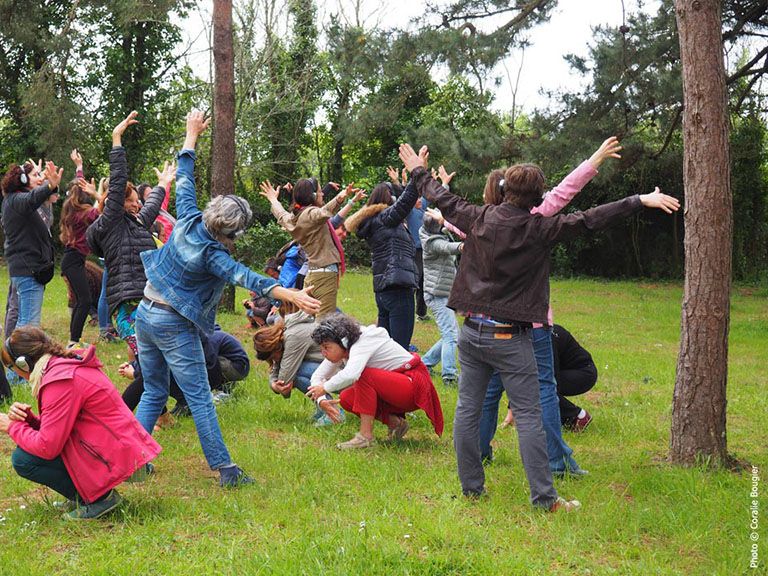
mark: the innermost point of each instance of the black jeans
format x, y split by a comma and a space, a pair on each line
573, 383
396, 308
421, 305
132, 394
73, 269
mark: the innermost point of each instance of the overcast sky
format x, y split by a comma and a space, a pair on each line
543, 68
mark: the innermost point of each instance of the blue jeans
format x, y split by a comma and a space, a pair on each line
304, 375
559, 453
30, 293
168, 341
105, 322
444, 349
396, 309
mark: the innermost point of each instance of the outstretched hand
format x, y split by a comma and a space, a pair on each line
87, 187
658, 200
445, 178
608, 149
197, 123
117, 132
300, 298
411, 160
167, 175
331, 409
76, 158
53, 175
393, 175
268, 191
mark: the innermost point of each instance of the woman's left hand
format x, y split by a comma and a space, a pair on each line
315, 392
305, 302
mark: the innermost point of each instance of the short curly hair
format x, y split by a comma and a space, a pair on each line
339, 328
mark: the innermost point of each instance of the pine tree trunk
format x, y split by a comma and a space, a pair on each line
223, 144
699, 402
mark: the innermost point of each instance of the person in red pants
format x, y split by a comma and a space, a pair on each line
377, 377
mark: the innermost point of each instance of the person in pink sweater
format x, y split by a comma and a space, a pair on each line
84, 442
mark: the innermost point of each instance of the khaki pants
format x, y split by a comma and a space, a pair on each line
326, 287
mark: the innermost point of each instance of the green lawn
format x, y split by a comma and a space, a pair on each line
397, 509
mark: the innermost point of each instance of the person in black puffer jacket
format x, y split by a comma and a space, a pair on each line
381, 223
122, 233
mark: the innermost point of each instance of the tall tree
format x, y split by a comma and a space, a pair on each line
699, 402
223, 148
223, 145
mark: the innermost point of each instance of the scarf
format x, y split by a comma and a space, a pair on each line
339, 247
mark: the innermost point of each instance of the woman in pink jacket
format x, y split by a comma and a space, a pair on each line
85, 441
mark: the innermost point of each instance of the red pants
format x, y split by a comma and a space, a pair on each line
380, 393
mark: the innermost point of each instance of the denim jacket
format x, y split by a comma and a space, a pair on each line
191, 270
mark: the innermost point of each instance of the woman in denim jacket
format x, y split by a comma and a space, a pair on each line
185, 279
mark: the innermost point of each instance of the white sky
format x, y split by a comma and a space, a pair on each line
543, 67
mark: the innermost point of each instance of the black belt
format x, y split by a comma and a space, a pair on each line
493, 329
160, 305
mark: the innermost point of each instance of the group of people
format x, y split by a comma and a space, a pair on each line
163, 289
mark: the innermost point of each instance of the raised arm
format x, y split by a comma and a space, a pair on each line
186, 199
149, 212
566, 226
118, 171
454, 208
562, 194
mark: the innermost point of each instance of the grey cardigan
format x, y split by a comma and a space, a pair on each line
298, 346
439, 263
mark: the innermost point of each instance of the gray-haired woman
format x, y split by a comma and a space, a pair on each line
185, 279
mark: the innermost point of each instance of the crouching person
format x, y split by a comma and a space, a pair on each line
378, 379
85, 441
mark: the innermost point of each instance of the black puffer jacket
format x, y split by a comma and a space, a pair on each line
383, 228
119, 237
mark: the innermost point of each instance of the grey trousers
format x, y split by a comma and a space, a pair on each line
480, 353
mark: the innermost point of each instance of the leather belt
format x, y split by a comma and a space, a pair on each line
160, 305
496, 329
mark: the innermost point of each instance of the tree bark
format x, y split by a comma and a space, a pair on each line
223, 142
699, 402
223, 148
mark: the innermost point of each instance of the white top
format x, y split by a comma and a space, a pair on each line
374, 349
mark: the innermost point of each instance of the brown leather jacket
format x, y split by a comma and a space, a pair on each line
504, 271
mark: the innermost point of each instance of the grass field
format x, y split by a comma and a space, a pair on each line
397, 509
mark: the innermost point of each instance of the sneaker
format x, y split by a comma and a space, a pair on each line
450, 381
564, 505
324, 420
65, 505
109, 336
219, 396
398, 431
142, 473
233, 476
357, 441
425, 318
571, 473
580, 424
95, 509
181, 410
412, 348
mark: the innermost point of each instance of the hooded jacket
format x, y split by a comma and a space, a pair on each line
84, 420
28, 244
439, 263
392, 252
